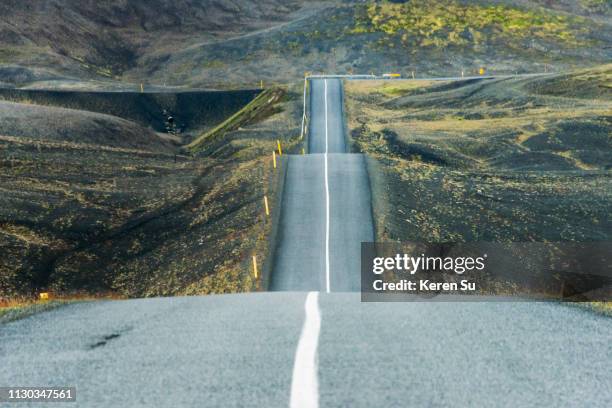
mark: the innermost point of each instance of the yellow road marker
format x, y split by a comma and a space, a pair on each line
481, 71
141, 88
274, 158
44, 295
267, 206
280, 150
261, 84
303, 152
255, 266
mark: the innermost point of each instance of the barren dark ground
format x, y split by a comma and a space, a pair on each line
98, 196
220, 44
514, 160
493, 160
95, 203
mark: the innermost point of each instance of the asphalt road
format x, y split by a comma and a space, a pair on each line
300, 262
326, 132
312, 349
326, 207
210, 351
239, 350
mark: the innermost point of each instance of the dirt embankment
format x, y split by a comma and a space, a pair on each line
94, 203
192, 112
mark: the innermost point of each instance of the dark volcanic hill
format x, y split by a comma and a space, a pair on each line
89, 38
220, 43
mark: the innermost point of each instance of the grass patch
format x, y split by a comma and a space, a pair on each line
214, 64
8, 55
603, 308
596, 6
23, 310
444, 23
259, 108
390, 88
22, 307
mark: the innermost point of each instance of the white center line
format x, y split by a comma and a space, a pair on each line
327, 285
305, 383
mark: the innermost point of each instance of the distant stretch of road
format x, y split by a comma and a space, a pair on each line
326, 207
312, 342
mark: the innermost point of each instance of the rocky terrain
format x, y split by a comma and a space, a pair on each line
494, 160
121, 173
508, 160
76, 40
95, 203
220, 44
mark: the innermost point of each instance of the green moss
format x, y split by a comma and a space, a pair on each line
214, 64
445, 23
8, 54
596, 6
259, 107
103, 71
10, 314
295, 47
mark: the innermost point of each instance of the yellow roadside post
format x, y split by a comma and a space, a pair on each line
303, 152
261, 84
141, 87
280, 150
481, 71
43, 295
255, 266
274, 158
266, 205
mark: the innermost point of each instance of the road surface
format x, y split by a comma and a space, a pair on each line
308, 349
326, 207
239, 350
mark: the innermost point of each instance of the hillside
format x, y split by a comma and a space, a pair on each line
220, 44
191, 111
57, 39
506, 160
50, 124
519, 159
94, 203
